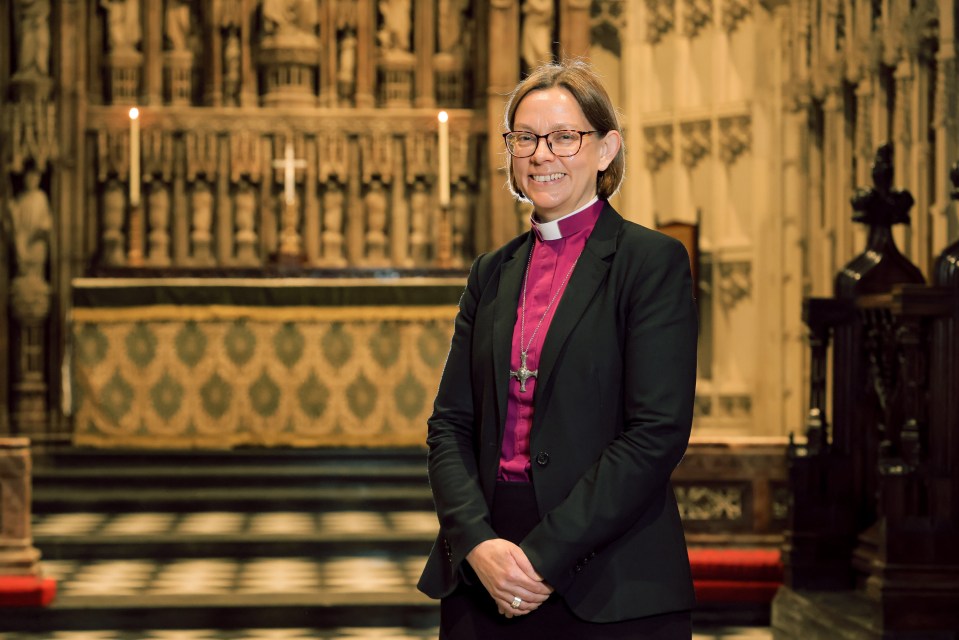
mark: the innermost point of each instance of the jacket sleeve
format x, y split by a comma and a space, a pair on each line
658, 393
454, 476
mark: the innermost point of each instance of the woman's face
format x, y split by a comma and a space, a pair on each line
558, 186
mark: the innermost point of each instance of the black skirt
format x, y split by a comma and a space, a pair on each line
469, 613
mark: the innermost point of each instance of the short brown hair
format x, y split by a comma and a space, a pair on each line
584, 84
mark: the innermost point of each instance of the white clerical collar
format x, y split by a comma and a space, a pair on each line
551, 230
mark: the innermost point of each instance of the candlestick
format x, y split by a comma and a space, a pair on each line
444, 153
134, 157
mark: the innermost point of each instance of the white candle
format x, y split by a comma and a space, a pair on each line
134, 157
444, 152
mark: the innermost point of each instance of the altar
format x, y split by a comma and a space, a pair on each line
284, 362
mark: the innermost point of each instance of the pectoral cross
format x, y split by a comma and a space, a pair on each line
523, 374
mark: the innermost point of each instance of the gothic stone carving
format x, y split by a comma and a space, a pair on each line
735, 137
660, 18
697, 14
734, 12
695, 142
735, 282
659, 146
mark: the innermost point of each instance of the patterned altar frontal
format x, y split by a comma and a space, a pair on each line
297, 365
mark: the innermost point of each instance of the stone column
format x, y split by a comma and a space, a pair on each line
18, 557
424, 38
944, 124
503, 69
365, 58
574, 28
249, 92
212, 76
152, 17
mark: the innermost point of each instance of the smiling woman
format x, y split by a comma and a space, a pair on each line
566, 401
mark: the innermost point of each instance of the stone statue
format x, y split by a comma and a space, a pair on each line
114, 207
376, 218
30, 224
346, 68
231, 68
202, 209
459, 221
158, 207
244, 205
450, 20
33, 33
177, 25
537, 36
284, 18
333, 225
397, 23
419, 223
123, 24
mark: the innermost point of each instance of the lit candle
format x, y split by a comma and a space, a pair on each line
444, 149
134, 157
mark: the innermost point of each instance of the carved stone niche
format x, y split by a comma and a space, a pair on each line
178, 76
659, 146
396, 77
449, 71
288, 67
124, 71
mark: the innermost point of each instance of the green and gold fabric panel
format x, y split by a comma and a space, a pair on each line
227, 376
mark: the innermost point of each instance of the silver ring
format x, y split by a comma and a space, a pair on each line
517, 601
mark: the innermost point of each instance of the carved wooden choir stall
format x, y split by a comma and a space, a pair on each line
870, 548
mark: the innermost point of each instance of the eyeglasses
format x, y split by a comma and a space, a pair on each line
563, 143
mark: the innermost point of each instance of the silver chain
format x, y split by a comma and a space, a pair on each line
522, 322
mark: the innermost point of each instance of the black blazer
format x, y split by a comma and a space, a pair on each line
613, 411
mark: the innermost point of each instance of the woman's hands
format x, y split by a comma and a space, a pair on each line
507, 573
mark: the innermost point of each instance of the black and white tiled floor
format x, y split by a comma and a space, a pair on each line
343, 575
214, 523
338, 579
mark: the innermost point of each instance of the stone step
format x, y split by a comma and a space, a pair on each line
233, 480
131, 499
64, 536
375, 589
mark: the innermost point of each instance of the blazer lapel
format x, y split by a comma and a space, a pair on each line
504, 319
590, 271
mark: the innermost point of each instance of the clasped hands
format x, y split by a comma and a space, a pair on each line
507, 574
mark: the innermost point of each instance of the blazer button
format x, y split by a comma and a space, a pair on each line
542, 458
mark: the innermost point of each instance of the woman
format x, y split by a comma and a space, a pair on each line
566, 400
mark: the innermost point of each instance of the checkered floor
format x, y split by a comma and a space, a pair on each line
367, 577
344, 575
211, 523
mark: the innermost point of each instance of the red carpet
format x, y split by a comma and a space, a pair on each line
736, 575
26, 591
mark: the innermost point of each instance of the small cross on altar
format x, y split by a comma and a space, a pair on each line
290, 163
290, 241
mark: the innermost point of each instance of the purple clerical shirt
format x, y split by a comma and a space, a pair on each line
556, 247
